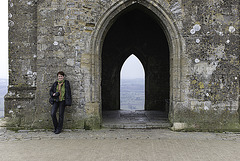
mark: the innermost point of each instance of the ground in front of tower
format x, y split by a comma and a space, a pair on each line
118, 144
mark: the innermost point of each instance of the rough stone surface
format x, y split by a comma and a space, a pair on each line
200, 78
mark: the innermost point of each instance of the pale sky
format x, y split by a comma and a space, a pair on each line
131, 69
4, 39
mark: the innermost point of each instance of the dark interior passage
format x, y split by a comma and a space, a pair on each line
136, 31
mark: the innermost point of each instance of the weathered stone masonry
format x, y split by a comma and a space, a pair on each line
202, 71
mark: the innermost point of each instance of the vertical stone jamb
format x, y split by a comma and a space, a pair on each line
20, 99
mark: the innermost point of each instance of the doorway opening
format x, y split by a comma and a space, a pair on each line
132, 85
136, 30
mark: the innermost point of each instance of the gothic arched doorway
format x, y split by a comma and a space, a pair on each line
132, 84
136, 31
143, 28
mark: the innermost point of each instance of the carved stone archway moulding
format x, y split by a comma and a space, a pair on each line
163, 17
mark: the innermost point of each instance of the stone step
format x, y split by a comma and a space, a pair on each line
162, 125
124, 119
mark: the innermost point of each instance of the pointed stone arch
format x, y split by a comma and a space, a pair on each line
136, 57
132, 79
174, 39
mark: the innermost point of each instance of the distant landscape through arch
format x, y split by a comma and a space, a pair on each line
132, 84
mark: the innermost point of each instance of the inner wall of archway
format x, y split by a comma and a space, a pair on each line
136, 31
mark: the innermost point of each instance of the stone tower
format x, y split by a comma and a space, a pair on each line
189, 50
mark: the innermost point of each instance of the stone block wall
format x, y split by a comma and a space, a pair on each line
20, 100
211, 34
46, 36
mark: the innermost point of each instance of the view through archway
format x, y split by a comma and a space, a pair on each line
132, 84
136, 31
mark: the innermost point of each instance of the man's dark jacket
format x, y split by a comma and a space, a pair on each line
68, 96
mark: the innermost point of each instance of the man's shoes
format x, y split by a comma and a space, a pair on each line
57, 132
